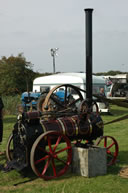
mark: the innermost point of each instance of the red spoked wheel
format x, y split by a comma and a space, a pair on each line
111, 146
51, 155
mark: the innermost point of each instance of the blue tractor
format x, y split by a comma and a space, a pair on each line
29, 100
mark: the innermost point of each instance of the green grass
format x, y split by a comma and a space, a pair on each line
14, 181
11, 103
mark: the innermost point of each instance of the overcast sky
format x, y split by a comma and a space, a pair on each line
33, 27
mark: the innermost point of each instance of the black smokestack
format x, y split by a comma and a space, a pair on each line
88, 30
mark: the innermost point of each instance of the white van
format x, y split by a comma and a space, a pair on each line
44, 83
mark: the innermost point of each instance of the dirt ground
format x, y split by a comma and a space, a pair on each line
124, 172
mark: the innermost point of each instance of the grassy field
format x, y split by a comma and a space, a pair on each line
26, 181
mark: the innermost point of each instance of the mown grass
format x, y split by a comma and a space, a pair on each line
26, 181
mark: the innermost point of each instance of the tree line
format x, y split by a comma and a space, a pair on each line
110, 73
16, 75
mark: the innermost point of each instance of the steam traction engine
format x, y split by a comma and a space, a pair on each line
44, 138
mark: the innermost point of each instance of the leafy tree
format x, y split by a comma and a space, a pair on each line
16, 75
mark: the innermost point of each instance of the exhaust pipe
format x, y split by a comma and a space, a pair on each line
88, 48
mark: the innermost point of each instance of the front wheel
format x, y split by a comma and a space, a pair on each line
51, 155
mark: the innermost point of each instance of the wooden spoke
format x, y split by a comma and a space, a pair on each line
111, 146
54, 159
